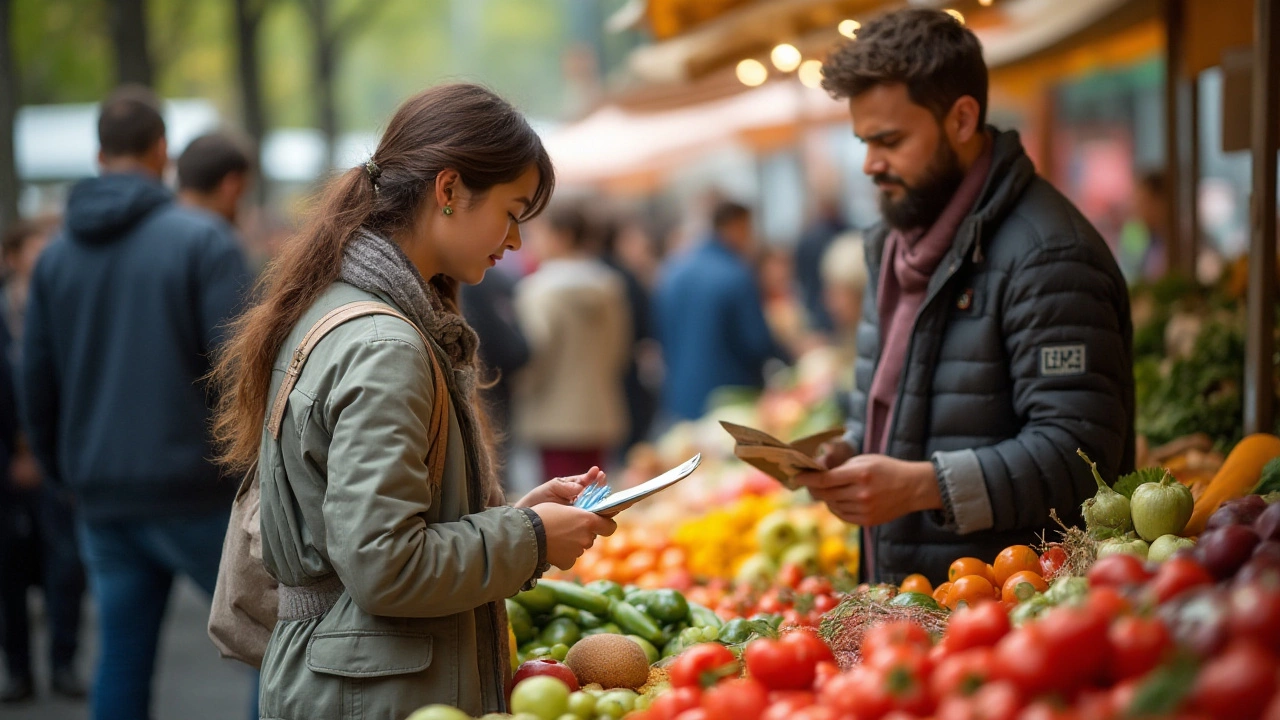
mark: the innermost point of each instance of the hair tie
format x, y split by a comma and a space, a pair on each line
374, 172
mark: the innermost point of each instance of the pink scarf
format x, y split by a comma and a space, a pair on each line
909, 261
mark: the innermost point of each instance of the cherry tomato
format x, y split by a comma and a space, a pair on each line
970, 590
738, 699
1024, 658
771, 604
779, 665
700, 664
792, 617
811, 648
1077, 637
670, 704
1045, 710
816, 712
798, 698
912, 659
1255, 615
916, 583
790, 575
1052, 561
897, 632
1015, 559
1237, 684
1020, 582
823, 604
1107, 602
940, 593
969, 566
979, 626
823, 673
962, 673
993, 701
1138, 645
1117, 571
814, 585
694, 714
1176, 575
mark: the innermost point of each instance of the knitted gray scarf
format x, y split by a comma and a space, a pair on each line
378, 265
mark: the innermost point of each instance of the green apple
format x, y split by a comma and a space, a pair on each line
757, 570
541, 695
807, 528
804, 555
776, 533
439, 712
616, 703
582, 704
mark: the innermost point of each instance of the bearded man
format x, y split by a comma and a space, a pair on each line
996, 338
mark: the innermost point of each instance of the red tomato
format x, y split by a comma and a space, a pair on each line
700, 664
898, 632
1138, 645
823, 673
771, 604
810, 646
799, 698
1176, 575
790, 575
738, 699
694, 714
1078, 638
1024, 658
1121, 696
824, 603
961, 674
1051, 561
979, 626
1117, 571
675, 701
1108, 602
1255, 615
861, 692
814, 585
792, 617
993, 701
1238, 683
816, 712
912, 659
779, 665
1044, 710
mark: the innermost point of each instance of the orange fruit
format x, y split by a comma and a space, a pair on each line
971, 590
940, 593
969, 566
673, 558
1009, 592
1015, 559
917, 583
638, 563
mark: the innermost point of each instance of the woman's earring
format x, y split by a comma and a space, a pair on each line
448, 210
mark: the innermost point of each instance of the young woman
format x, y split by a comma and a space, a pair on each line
391, 584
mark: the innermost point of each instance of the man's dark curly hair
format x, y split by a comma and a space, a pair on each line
929, 51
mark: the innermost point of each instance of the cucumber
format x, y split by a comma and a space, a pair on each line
701, 616
635, 622
577, 596
537, 600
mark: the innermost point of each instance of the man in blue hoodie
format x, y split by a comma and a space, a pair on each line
711, 319
126, 307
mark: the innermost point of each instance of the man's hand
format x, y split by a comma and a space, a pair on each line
872, 490
562, 491
24, 472
835, 453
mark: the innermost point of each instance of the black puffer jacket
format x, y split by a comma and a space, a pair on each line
1021, 353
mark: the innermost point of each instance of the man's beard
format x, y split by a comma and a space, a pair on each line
921, 205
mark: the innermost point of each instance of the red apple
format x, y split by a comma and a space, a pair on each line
546, 666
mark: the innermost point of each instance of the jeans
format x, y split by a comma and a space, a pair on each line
131, 566
39, 543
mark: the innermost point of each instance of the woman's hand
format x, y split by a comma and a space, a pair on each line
570, 531
562, 491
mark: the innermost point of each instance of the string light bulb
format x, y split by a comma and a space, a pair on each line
752, 72
786, 57
811, 74
986, 3
849, 28
959, 16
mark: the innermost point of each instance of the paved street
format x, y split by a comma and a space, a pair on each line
192, 682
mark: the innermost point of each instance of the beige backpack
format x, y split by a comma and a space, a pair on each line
245, 600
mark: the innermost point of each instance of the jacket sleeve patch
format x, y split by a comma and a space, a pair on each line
1063, 360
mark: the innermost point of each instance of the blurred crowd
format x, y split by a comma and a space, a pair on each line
600, 334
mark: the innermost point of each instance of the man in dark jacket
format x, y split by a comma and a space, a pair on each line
996, 337
126, 306
710, 318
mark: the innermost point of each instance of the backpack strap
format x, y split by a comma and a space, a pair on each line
438, 427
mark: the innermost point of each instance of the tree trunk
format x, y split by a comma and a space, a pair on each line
9, 186
326, 49
248, 20
128, 19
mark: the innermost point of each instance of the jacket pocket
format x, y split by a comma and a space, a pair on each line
368, 653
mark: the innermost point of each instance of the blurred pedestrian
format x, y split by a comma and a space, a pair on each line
570, 402
642, 399
126, 306
40, 516
213, 174
812, 246
844, 284
489, 308
394, 550
710, 317
1143, 254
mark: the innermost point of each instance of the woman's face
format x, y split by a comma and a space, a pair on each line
466, 243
